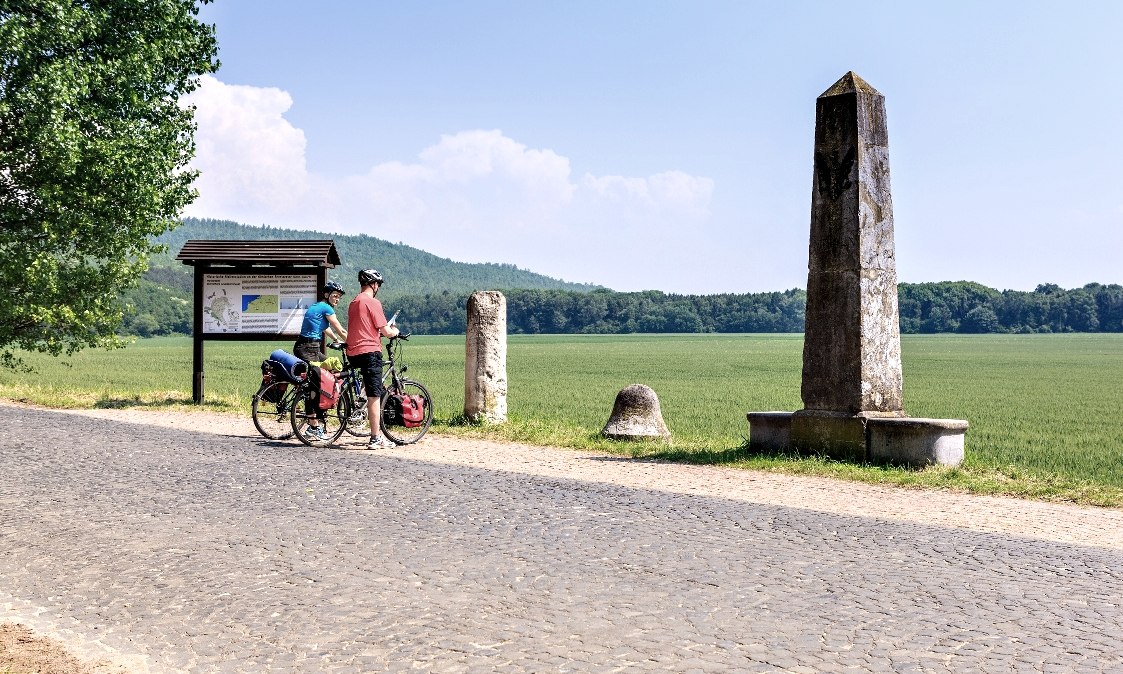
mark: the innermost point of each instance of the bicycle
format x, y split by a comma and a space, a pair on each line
306, 407
357, 423
273, 401
395, 425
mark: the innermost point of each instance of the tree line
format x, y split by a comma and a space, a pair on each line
961, 307
609, 312
974, 308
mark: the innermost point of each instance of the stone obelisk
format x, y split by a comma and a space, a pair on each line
852, 382
852, 341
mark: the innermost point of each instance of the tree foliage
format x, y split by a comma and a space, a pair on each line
432, 293
93, 154
925, 307
609, 312
962, 306
152, 309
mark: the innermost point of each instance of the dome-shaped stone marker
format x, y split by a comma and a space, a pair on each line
636, 416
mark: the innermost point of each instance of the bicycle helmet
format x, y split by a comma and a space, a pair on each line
369, 276
333, 287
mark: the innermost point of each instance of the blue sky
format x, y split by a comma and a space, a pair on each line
667, 145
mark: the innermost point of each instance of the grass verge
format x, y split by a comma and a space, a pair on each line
1044, 410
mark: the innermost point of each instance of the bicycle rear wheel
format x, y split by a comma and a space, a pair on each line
331, 422
271, 407
393, 425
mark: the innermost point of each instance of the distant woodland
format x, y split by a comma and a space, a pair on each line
432, 294
961, 307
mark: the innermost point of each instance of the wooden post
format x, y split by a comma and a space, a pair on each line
197, 376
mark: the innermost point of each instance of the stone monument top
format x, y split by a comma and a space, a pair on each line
850, 83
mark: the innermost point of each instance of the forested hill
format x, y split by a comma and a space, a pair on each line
432, 294
408, 270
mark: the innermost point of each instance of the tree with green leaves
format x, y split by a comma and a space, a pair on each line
94, 148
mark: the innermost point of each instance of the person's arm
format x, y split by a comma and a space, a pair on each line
389, 330
336, 329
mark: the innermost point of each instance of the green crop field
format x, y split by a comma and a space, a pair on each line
1046, 411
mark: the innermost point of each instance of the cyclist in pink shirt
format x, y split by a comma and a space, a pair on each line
366, 326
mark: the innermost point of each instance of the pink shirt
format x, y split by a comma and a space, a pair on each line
365, 319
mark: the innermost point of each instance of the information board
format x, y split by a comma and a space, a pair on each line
256, 303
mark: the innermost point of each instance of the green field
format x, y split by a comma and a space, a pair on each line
1046, 411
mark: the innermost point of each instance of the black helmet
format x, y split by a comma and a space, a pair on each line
333, 287
369, 276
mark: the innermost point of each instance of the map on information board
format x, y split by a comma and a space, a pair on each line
258, 303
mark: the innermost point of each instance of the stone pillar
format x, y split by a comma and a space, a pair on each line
852, 342
485, 358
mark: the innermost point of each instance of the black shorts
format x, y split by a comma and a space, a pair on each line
309, 349
370, 364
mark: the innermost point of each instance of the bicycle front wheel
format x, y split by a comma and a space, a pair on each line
271, 407
392, 423
315, 427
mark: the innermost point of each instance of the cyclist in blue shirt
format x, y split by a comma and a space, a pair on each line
320, 320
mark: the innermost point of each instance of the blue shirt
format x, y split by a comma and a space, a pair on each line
316, 319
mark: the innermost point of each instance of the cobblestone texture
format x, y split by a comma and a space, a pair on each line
194, 551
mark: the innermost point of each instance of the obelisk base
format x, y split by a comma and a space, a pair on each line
837, 435
917, 442
876, 437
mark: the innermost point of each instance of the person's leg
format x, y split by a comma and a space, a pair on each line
309, 350
371, 385
372, 379
372, 414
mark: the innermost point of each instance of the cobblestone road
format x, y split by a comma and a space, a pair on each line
187, 551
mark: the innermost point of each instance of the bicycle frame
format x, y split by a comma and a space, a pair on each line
353, 380
393, 382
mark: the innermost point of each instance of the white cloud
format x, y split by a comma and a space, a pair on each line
475, 195
251, 160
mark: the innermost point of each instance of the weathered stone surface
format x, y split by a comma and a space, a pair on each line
917, 442
838, 435
770, 431
485, 358
636, 416
852, 353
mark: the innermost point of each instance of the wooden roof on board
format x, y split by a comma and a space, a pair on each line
318, 253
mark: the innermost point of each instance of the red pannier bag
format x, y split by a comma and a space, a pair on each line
413, 411
329, 387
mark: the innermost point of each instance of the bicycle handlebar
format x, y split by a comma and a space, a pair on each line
339, 346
